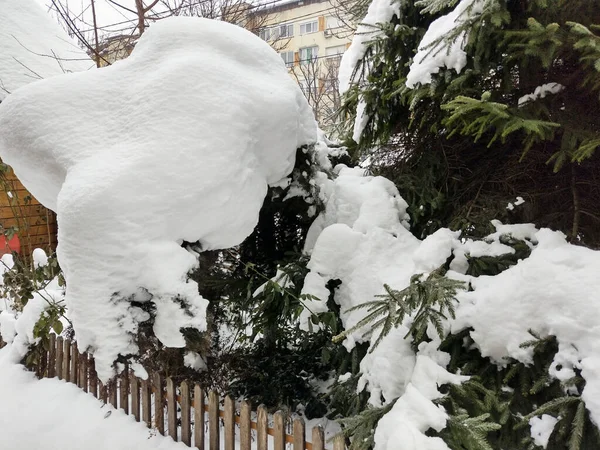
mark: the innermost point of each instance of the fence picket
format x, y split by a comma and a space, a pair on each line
186, 426
63, 360
74, 356
102, 392
279, 432
318, 438
147, 403
159, 402
198, 417
124, 389
213, 421
172, 409
134, 386
229, 423
112, 392
93, 376
42, 363
262, 424
52, 357
59, 357
67, 360
299, 434
246, 426
82, 380
339, 442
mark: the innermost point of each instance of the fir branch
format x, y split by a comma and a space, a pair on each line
428, 301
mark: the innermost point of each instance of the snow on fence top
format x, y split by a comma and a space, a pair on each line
178, 142
33, 46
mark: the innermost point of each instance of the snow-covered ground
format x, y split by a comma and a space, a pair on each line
50, 414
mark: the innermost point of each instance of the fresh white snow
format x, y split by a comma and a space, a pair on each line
178, 142
541, 92
541, 429
435, 52
33, 46
361, 239
380, 12
49, 414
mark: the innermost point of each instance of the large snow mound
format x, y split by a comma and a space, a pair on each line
33, 46
178, 142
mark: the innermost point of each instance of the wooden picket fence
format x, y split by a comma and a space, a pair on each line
157, 398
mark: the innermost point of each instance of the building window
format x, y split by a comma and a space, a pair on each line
265, 34
288, 58
337, 50
283, 31
334, 54
333, 23
309, 27
308, 54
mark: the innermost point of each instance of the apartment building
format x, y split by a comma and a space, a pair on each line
311, 39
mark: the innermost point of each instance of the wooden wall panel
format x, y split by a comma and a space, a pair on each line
36, 225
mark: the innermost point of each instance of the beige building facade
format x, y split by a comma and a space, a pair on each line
311, 39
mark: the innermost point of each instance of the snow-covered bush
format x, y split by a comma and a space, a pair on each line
177, 143
31, 304
469, 340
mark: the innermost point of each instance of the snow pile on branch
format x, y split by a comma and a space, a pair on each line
361, 239
553, 292
178, 142
33, 46
541, 92
379, 12
443, 43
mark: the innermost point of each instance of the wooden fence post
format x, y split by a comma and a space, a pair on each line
113, 392
339, 442
279, 434
213, 421
198, 417
318, 438
186, 425
147, 402
67, 360
102, 392
82, 380
229, 423
159, 404
42, 363
74, 355
52, 356
93, 376
246, 426
124, 389
135, 397
172, 409
59, 357
261, 428
299, 431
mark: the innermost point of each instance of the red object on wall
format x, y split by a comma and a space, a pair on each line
13, 245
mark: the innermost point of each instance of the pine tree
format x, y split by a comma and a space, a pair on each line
521, 118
